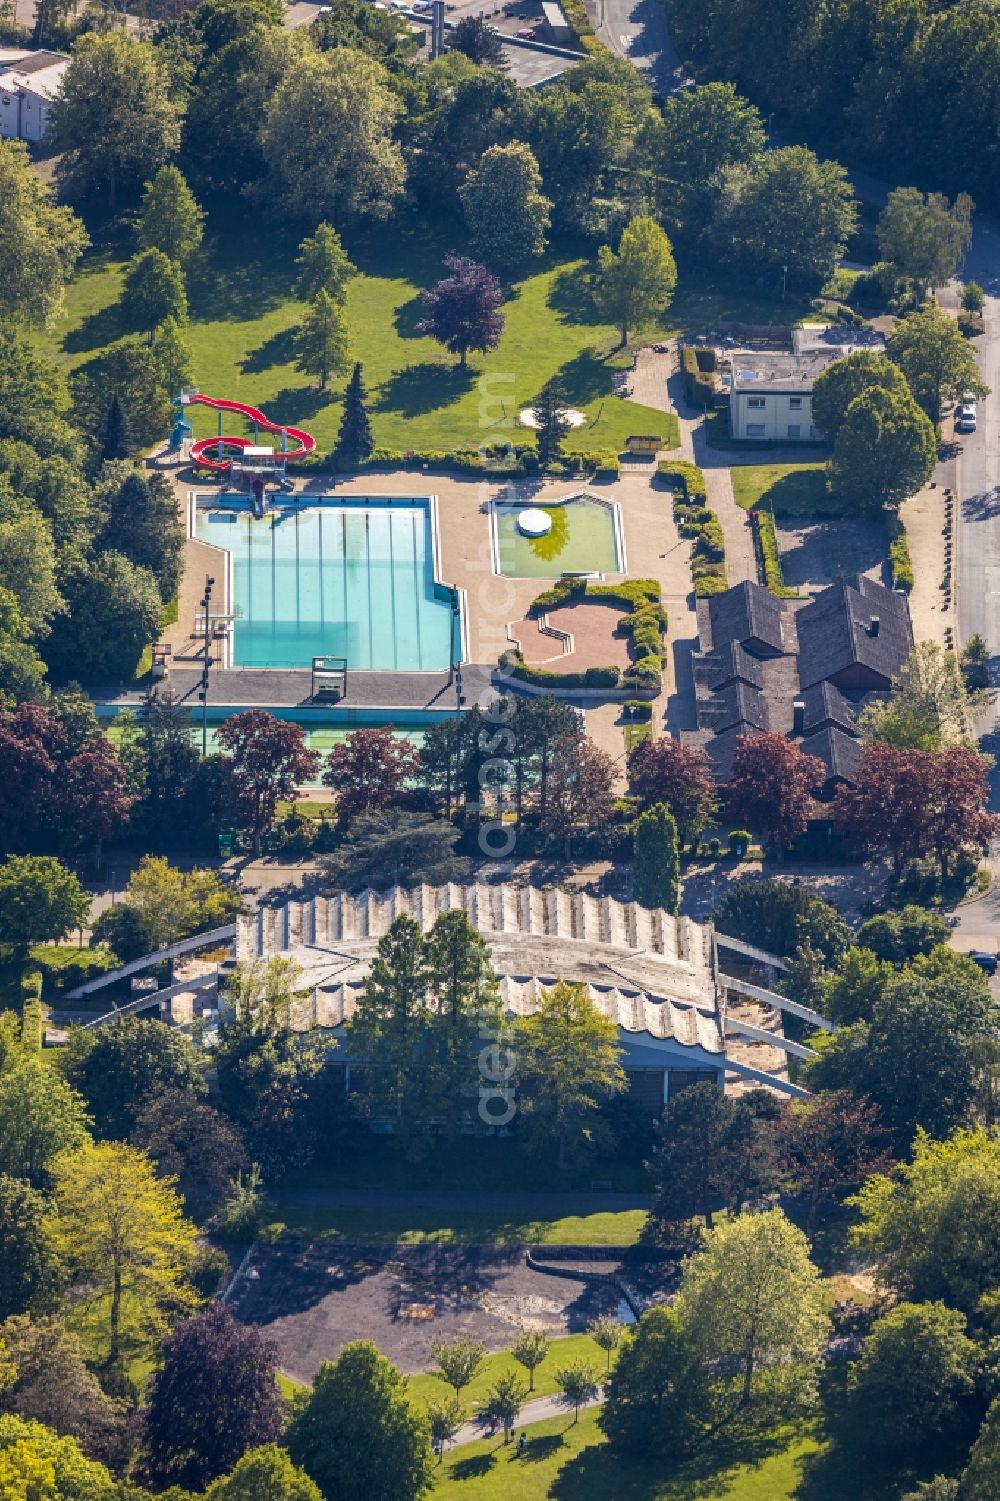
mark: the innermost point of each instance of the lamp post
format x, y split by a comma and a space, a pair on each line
784, 281
206, 601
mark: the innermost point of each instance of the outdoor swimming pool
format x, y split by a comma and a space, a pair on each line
584, 538
352, 579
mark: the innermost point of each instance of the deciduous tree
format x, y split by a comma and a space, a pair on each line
772, 787
265, 1474
506, 213
330, 123
932, 1225
192, 1142
128, 1063
568, 1061
607, 1334
120, 1230
830, 1146
504, 1401
939, 364
665, 771
357, 1435
529, 1350
929, 705
980, 1474
579, 787
40, 902
788, 214
114, 611
214, 1397
634, 286
53, 1385
657, 1398
753, 1304
41, 241
782, 916
270, 760
462, 310
901, 936
474, 36
113, 121
917, 1366
578, 1384
885, 451
161, 904
171, 219
30, 1269
142, 523
925, 236
458, 1360
844, 380
369, 770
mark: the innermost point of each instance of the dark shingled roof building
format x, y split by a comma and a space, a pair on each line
804, 670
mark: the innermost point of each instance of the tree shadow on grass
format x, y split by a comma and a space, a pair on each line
585, 377
225, 283
97, 331
407, 316
473, 1468
571, 295
279, 349
542, 1447
600, 1470
293, 405
424, 387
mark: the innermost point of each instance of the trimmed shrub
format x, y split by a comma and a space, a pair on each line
767, 543
681, 475
899, 556
699, 377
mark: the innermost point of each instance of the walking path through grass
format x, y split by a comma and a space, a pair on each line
569, 1349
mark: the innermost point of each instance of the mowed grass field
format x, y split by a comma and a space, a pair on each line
572, 1461
244, 318
788, 489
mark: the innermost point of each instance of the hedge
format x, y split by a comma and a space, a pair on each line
502, 459
697, 522
698, 371
593, 677
899, 556
645, 619
766, 539
31, 1019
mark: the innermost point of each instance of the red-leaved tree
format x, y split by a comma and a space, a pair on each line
369, 771
270, 760
772, 788
831, 1145
665, 771
55, 793
910, 803
95, 793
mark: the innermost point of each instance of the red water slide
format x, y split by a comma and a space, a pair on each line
300, 442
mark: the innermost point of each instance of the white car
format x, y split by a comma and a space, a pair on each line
965, 416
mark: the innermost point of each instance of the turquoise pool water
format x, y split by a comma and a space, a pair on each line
583, 539
334, 578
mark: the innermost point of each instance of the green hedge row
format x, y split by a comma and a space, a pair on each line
698, 372
699, 523
31, 1018
767, 541
899, 556
502, 459
593, 677
645, 619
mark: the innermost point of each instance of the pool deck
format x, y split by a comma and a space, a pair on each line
245, 686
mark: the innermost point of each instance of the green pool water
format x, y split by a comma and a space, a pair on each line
582, 540
334, 578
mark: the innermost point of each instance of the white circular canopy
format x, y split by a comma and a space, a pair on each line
534, 522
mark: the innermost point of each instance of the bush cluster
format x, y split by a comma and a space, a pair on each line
645, 620
593, 677
696, 521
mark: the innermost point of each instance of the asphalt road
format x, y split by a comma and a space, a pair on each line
637, 29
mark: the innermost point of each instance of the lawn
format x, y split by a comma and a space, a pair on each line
787, 489
243, 320
450, 1226
571, 1349
572, 1461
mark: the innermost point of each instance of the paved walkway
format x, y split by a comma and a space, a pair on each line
538, 1411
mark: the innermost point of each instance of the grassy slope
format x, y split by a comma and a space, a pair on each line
792, 489
242, 328
443, 1226
572, 1462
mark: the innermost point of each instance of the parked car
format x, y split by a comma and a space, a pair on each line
986, 961
527, 33
965, 416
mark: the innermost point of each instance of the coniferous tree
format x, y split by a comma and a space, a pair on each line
553, 425
355, 442
116, 440
657, 866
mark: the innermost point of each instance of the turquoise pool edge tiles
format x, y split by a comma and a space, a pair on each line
334, 576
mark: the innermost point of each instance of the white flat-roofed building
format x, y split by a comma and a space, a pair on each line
29, 81
771, 391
